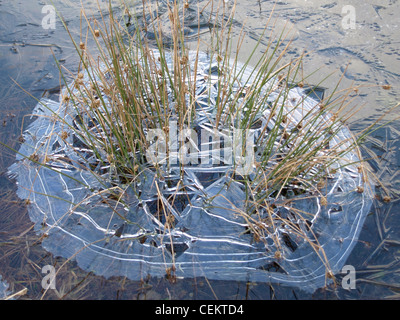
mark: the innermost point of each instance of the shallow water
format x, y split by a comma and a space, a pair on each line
369, 51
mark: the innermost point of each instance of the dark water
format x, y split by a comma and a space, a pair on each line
368, 52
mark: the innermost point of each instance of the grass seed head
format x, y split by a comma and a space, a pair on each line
64, 135
278, 255
33, 157
387, 199
65, 99
330, 274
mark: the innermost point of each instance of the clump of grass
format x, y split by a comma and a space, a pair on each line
135, 85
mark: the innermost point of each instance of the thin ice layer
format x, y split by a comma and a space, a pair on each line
210, 234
